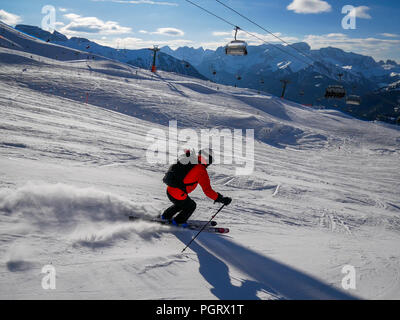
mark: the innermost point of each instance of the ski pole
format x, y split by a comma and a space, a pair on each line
203, 228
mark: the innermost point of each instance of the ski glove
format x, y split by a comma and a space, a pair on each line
225, 200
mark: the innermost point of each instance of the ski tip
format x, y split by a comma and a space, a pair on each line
223, 230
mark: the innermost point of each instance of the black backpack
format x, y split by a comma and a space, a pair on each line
178, 171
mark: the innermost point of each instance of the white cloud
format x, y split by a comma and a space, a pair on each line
221, 33
72, 16
91, 25
172, 32
212, 45
309, 6
9, 18
375, 47
361, 12
389, 35
138, 43
62, 9
335, 35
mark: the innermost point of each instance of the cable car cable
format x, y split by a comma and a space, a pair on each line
266, 30
249, 33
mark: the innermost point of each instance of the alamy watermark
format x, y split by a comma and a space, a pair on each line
49, 20
350, 19
349, 280
49, 280
228, 146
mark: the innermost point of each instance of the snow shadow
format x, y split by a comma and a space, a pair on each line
216, 273
19, 265
197, 87
272, 107
173, 87
14, 145
268, 273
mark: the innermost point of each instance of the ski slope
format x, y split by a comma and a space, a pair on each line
323, 194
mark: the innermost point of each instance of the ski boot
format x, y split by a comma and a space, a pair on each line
182, 225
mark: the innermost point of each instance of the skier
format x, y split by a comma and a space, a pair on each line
182, 179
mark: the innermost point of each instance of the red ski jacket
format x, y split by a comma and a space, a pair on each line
198, 175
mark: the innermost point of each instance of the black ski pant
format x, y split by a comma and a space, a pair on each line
184, 207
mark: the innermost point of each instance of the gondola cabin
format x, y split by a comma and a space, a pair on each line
236, 47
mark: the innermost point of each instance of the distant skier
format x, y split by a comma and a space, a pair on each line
182, 178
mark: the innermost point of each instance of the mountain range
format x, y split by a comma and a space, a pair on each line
308, 71
140, 58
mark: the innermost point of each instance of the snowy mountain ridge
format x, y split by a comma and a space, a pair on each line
266, 54
265, 65
139, 58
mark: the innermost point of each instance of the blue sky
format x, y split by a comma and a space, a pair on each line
142, 23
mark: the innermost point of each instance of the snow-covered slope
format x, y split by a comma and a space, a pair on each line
324, 192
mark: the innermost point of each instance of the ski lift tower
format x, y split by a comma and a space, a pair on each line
155, 49
284, 84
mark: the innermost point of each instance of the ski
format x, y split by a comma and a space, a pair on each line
208, 228
213, 229
192, 225
192, 222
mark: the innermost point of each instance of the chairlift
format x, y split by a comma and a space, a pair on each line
335, 91
301, 93
236, 47
238, 77
353, 100
212, 69
185, 63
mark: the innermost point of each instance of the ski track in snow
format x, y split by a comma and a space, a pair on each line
324, 193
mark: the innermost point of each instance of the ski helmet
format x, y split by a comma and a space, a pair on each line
205, 157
